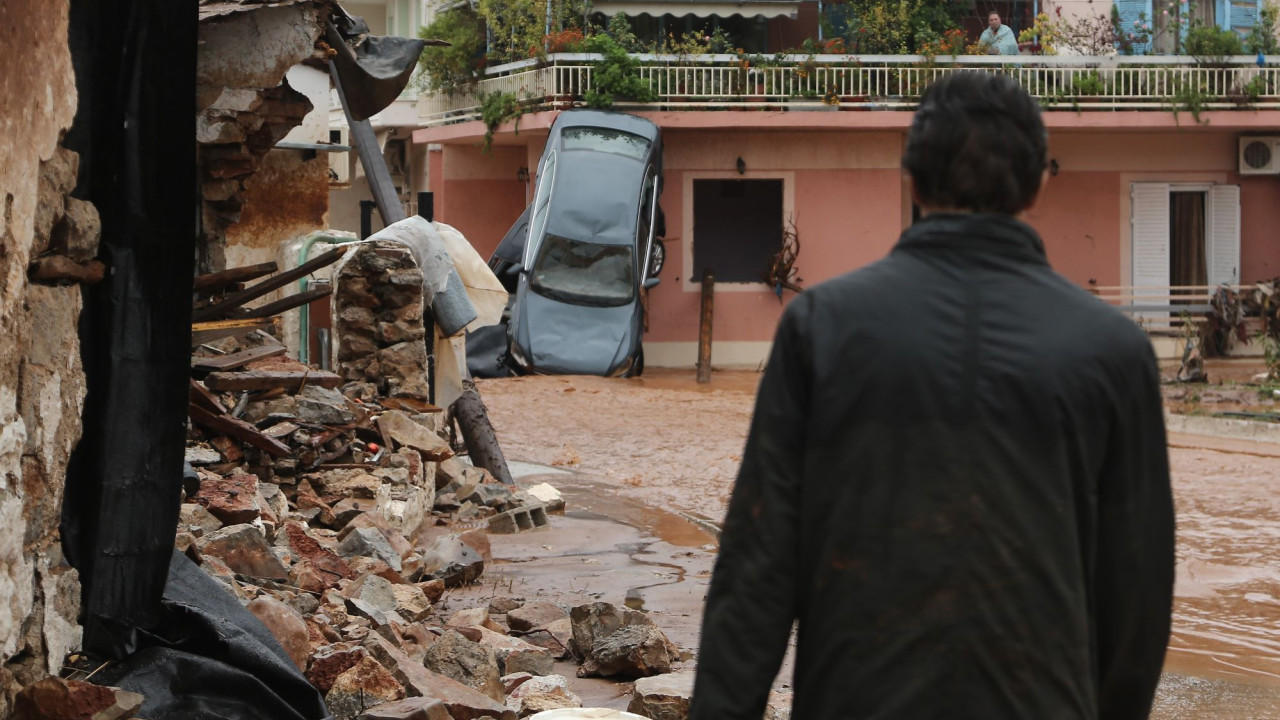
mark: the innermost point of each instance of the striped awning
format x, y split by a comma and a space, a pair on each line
700, 8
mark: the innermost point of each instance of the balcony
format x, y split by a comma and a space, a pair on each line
880, 82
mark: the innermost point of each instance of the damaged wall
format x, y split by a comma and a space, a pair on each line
41, 381
255, 197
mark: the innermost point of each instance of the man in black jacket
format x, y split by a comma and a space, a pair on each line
956, 478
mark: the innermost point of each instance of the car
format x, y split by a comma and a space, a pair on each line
580, 257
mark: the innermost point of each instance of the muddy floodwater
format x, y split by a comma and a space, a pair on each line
668, 443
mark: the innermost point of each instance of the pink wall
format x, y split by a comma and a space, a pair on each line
479, 192
1259, 228
1078, 216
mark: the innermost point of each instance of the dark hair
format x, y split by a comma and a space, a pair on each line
993, 12
977, 143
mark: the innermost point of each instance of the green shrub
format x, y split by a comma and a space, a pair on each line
1210, 44
1262, 37
449, 69
616, 76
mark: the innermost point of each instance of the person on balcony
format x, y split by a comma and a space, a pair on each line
998, 38
956, 479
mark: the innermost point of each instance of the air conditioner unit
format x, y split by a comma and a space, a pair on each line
1260, 155
339, 161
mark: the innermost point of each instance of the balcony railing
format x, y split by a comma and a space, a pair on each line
888, 82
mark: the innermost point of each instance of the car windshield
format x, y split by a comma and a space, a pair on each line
605, 140
584, 273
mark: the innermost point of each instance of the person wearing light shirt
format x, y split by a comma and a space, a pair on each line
998, 39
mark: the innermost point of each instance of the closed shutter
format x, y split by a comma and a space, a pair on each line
1150, 233
1131, 11
1239, 15
1224, 235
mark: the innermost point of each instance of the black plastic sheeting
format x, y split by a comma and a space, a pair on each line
135, 131
212, 659
172, 633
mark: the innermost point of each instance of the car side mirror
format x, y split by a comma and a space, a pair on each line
652, 283
515, 269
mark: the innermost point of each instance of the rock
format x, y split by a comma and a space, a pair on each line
453, 561
374, 566
416, 708
470, 663
478, 540
433, 589
400, 428
540, 694
411, 602
548, 496
330, 661
54, 698
324, 406
504, 605
400, 331
346, 509
195, 519
232, 499
511, 681
619, 642
450, 471
515, 655
366, 684
463, 702
631, 651
197, 455
305, 603
779, 705
373, 590
346, 483
286, 625
244, 550
494, 495
77, 234
471, 617
395, 538
534, 615
663, 697
368, 542
446, 502
330, 567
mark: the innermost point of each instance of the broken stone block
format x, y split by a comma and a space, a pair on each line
346, 483
400, 331
535, 614
478, 540
367, 684
473, 617
453, 561
663, 697
404, 431
411, 602
324, 406
494, 495
286, 625
503, 605
518, 520
232, 499
470, 663
195, 519
515, 655
244, 550
374, 590
329, 565
446, 503
374, 566
330, 661
368, 542
619, 642
54, 697
416, 708
433, 589
540, 694
197, 455
346, 509
463, 702
77, 234
548, 496
396, 539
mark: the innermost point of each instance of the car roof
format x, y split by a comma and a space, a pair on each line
596, 197
605, 119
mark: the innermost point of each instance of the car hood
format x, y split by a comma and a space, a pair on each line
563, 339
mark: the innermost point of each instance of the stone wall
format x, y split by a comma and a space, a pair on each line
41, 381
378, 321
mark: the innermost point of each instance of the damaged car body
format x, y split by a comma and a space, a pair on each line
582, 254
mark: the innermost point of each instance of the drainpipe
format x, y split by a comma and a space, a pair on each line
819, 21
546, 38
304, 311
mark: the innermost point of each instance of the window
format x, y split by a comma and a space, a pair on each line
541, 202
605, 140
1185, 235
737, 228
584, 273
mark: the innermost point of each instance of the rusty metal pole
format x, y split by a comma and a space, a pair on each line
704, 325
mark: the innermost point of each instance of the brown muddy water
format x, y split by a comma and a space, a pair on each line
657, 457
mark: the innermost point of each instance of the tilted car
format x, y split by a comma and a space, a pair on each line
590, 248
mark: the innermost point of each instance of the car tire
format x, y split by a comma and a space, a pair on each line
638, 369
658, 257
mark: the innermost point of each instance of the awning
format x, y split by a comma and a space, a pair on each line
701, 8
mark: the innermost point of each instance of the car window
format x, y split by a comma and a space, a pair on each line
584, 273
605, 140
541, 205
644, 227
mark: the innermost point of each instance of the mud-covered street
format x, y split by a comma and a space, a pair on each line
665, 442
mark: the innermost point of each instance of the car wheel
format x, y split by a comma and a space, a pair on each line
638, 369
657, 258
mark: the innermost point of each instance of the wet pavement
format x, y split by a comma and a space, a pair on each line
664, 442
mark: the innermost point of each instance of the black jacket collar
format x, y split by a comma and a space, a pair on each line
979, 232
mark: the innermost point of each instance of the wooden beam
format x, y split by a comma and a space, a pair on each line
200, 395
237, 359
289, 303
221, 279
238, 429
235, 300
292, 380
203, 332
59, 269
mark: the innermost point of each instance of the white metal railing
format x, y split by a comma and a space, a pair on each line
726, 82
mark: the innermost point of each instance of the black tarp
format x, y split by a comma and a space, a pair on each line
135, 130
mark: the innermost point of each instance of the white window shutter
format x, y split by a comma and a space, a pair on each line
1150, 222
1224, 235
